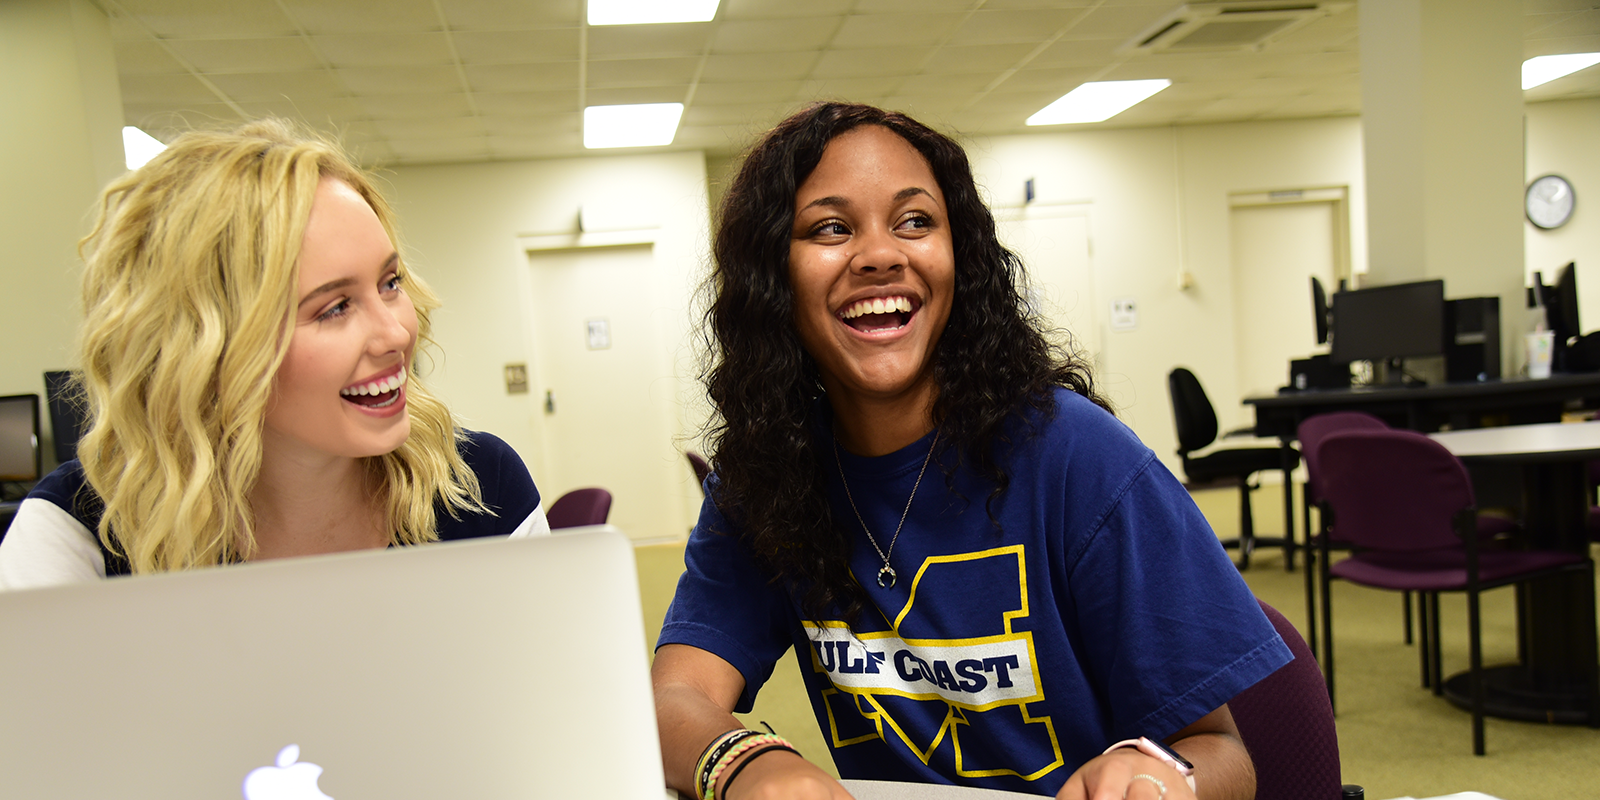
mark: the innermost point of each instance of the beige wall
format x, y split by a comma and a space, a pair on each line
1159, 207
62, 139
466, 227
1562, 138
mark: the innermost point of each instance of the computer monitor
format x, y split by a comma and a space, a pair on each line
19, 438
1319, 310
65, 399
1389, 324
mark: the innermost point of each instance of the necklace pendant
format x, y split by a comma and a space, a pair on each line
886, 577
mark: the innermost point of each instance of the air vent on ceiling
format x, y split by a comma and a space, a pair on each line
1229, 25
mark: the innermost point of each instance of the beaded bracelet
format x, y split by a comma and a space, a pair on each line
746, 762
733, 752
714, 753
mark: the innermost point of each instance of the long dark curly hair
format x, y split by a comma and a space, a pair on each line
992, 361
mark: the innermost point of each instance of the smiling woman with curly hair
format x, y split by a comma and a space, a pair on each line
986, 578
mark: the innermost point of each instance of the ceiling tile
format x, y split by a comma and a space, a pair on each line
629, 95
737, 114
522, 77
536, 125
872, 63
990, 58
851, 89
646, 40
499, 15
437, 128
763, 67
439, 151
996, 27
750, 92
781, 9
517, 47
719, 138
895, 30
951, 85
401, 80
1558, 46
144, 56
548, 146
281, 54
642, 72
1071, 51
323, 113
415, 106
321, 17
519, 103
1119, 22
383, 49
171, 89
1057, 80
165, 121
774, 35
204, 19
273, 86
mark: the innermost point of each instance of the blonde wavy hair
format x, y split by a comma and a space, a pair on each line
189, 294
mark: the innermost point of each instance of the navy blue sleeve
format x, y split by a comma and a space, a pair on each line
725, 605
507, 488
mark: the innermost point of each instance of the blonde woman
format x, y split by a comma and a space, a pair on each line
249, 367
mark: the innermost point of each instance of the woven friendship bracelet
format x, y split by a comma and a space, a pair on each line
744, 744
726, 784
714, 753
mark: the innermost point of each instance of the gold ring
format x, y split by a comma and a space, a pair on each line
1162, 787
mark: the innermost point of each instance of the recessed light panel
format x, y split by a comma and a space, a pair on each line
1097, 101
646, 125
645, 12
139, 147
1544, 69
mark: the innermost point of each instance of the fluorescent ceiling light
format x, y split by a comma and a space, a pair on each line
647, 125
1540, 70
643, 12
139, 147
1097, 101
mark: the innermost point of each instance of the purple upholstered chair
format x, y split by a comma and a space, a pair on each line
1310, 434
1405, 504
1286, 722
701, 467
580, 507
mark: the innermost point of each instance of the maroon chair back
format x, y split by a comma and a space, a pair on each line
1286, 722
700, 466
580, 507
1311, 432
1393, 490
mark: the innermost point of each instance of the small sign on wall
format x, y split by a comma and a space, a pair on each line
1124, 315
599, 334
516, 379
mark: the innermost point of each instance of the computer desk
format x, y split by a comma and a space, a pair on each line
1512, 401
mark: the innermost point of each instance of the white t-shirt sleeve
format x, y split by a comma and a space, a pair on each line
46, 546
534, 525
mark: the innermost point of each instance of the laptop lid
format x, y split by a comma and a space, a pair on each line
480, 669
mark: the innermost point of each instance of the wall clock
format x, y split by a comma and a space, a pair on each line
1549, 201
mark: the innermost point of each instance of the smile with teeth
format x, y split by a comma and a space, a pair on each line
877, 313
376, 394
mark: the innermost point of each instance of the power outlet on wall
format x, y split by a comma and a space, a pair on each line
516, 379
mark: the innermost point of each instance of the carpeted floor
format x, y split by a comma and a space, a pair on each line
1396, 738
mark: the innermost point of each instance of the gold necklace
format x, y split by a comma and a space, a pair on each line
886, 576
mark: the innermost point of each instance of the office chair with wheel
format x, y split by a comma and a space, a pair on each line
1286, 721
580, 507
1406, 506
1230, 466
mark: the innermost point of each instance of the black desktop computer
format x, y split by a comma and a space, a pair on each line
1472, 339
1318, 372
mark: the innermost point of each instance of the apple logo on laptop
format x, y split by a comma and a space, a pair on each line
291, 779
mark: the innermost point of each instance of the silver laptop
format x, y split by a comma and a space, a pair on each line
478, 670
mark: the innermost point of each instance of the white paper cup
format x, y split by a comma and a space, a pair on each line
1540, 347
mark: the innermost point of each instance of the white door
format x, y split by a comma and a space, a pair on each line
600, 359
1276, 251
1059, 282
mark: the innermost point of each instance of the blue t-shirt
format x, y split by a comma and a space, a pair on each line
1103, 608
503, 479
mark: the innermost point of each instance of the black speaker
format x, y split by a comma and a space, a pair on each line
1472, 339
